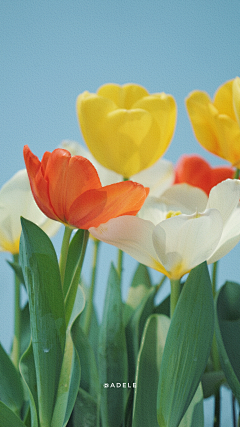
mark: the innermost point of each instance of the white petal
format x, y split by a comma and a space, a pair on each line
179, 197
187, 198
132, 235
230, 236
184, 241
225, 197
158, 177
16, 200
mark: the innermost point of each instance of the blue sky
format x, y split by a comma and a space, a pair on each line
53, 50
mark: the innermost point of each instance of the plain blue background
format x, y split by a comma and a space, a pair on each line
53, 50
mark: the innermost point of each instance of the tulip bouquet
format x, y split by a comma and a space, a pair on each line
146, 362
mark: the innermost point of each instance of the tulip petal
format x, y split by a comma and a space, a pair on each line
183, 242
157, 177
16, 200
225, 197
132, 235
223, 100
229, 238
123, 96
98, 206
236, 98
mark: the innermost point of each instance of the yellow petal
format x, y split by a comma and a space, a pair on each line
236, 98
201, 113
123, 96
126, 129
223, 100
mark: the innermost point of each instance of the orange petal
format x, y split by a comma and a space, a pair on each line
96, 207
39, 185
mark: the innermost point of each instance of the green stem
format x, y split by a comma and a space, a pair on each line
161, 283
72, 290
89, 306
175, 293
236, 175
217, 410
120, 264
214, 278
64, 252
16, 349
233, 411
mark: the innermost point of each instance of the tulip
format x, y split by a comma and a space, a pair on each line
216, 124
16, 200
179, 242
68, 189
126, 129
158, 177
196, 171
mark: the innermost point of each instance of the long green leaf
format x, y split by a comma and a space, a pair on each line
140, 286
11, 390
194, 416
8, 418
112, 355
187, 348
42, 277
28, 372
85, 413
148, 367
228, 333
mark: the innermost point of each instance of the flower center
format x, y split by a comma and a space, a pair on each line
170, 214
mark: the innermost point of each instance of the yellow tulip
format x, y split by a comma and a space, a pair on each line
125, 128
216, 124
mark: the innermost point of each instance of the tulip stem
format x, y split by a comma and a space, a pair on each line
16, 349
72, 290
236, 175
64, 252
175, 293
89, 306
120, 263
214, 278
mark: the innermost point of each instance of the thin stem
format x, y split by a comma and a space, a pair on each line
236, 175
72, 290
64, 251
161, 283
89, 307
175, 293
217, 410
16, 349
233, 411
214, 278
120, 264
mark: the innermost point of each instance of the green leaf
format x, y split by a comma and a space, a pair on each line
25, 328
148, 367
140, 286
163, 307
74, 252
17, 269
27, 370
8, 418
194, 416
85, 413
227, 304
68, 385
89, 377
112, 354
42, 277
11, 390
187, 348
135, 327
74, 266
211, 381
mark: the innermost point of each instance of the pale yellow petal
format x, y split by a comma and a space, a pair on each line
236, 98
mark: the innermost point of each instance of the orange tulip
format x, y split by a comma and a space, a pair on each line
68, 189
196, 171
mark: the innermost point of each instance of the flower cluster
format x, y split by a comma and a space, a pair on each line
174, 219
